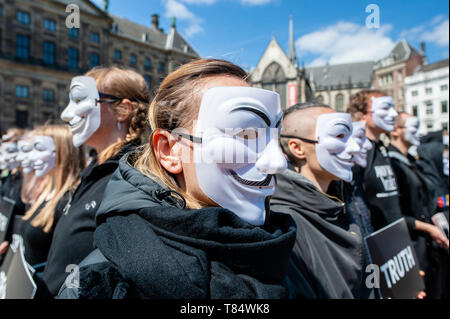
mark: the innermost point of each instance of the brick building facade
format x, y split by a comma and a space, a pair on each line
39, 55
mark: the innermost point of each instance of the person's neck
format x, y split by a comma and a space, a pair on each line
321, 182
100, 144
401, 146
373, 134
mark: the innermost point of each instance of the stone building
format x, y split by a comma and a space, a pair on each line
391, 71
39, 55
329, 84
427, 96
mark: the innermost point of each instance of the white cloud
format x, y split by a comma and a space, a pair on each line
199, 1
434, 31
438, 35
181, 12
345, 42
255, 2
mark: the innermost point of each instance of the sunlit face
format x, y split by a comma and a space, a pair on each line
412, 131
10, 153
335, 148
359, 135
83, 111
384, 113
239, 127
43, 155
25, 149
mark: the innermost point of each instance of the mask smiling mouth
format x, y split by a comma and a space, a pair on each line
77, 123
264, 182
346, 160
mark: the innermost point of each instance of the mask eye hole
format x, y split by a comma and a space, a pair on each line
341, 136
248, 134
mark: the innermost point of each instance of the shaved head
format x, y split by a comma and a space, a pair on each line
400, 121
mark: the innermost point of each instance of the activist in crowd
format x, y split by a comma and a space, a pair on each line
107, 111
418, 196
433, 159
180, 221
328, 255
12, 176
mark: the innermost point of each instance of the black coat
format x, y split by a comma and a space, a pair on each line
150, 246
73, 235
328, 254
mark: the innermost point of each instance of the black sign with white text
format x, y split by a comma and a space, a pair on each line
6, 210
392, 250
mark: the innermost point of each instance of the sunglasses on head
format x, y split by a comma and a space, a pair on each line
108, 98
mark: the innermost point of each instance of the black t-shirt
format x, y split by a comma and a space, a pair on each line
380, 188
36, 241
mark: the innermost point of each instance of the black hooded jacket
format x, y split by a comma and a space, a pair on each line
73, 236
328, 255
150, 246
430, 162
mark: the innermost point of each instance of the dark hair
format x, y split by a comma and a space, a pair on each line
303, 106
359, 102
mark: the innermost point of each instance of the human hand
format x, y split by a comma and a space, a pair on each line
438, 237
4, 247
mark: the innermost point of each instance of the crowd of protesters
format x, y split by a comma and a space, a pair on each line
210, 190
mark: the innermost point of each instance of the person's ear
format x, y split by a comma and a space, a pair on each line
166, 151
125, 110
297, 150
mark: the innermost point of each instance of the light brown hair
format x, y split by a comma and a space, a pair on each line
359, 103
61, 179
176, 105
124, 84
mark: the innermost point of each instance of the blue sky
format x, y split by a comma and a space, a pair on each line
334, 31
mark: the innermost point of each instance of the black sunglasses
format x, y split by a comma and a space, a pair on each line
300, 138
108, 98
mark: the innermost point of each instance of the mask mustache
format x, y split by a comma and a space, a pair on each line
264, 182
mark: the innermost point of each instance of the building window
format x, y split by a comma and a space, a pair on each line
23, 17
117, 55
72, 58
94, 37
415, 110
428, 91
339, 103
385, 79
429, 125
444, 87
133, 59
48, 95
415, 93
22, 91
444, 106
94, 60
161, 67
22, 46
74, 33
148, 64
319, 99
400, 76
148, 79
444, 126
21, 118
49, 53
50, 25
429, 108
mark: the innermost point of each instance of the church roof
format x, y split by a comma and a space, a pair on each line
359, 74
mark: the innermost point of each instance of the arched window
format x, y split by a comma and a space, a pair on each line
340, 102
319, 99
274, 79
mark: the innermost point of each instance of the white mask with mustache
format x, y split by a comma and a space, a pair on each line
43, 155
239, 151
83, 111
335, 147
25, 149
10, 153
412, 131
384, 113
359, 135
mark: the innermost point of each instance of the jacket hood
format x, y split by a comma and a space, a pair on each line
298, 192
149, 235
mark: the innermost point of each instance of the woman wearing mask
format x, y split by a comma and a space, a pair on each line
186, 218
107, 111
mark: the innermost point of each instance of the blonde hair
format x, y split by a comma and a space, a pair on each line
124, 84
175, 105
61, 179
